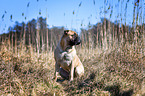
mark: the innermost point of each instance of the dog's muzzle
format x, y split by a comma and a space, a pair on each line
76, 41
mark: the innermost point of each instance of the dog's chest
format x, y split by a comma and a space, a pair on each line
67, 60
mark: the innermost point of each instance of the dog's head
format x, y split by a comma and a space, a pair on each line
72, 37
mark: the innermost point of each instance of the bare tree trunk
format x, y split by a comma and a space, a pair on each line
102, 42
24, 35
97, 35
113, 35
29, 32
105, 33
105, 36
137, 32
12, 41
42, 46
82, 38
133, 24
37, 38
47, 41
9, 40
109, 34
15, 41
122, 30
143, 36
51, 42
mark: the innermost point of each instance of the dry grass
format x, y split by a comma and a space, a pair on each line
26, 73
116, 72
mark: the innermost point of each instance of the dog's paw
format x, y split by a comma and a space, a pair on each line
70, 81
63, 53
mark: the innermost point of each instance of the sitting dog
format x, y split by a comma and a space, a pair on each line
67, 62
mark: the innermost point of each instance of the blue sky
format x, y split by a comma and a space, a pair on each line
60, 12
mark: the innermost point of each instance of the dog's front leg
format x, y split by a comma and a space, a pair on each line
71, 71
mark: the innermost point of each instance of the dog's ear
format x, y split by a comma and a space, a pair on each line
66, 32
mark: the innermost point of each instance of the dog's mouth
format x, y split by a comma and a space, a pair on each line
76, 41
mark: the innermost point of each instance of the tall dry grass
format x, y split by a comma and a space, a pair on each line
117, 71
24, 73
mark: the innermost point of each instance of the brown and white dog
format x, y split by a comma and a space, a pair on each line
67, 62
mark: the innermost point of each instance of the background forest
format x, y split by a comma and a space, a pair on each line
112, 52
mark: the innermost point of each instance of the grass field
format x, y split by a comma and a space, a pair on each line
115, 71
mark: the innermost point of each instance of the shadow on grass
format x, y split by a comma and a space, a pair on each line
115, 91
86, 86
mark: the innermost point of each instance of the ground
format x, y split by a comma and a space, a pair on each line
115, 72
